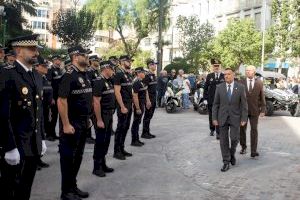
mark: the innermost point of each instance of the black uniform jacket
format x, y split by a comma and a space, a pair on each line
210, 86
21, 110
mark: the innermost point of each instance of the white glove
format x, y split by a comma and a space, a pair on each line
12, 157
44, 147
205, 102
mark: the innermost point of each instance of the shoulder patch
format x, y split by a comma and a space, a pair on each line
9, 67
70, 70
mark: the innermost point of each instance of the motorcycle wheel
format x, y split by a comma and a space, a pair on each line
295, 111
170, 108
269, 108
202, 110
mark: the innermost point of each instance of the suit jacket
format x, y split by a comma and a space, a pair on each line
210, 86
21, 110
256, 99
235, 109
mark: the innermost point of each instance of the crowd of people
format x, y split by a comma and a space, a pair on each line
84, 92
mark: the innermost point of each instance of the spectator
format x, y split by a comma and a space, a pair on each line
186, 86
162, 82
179, 78
172, 75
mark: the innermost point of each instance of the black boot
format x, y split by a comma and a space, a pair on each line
119, 155
126, 154
146, 135
105, 168
98, 169
136, 143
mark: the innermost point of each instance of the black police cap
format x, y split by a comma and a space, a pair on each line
41, 61
94, 58
24, 41
139, 70
125, 58
9, 52
215, 61
151, 61
56, 56
112, 58
106, 64
78, 50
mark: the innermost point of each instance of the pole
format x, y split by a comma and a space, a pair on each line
4, 32
160, 26
263, 34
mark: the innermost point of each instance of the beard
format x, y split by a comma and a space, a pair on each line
127, 66
31, 61
83, 63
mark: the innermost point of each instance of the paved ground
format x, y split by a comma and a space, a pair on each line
183, 162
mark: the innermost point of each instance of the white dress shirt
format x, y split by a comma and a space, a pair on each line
26, 68
231, 86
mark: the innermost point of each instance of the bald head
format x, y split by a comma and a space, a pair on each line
250, 71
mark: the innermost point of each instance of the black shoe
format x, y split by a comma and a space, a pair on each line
218, 136
126, 154
243, 151
106, 168
254, 154
69, 196
225, 168
99, 172
119, 156
153, 136
146, 136
80, 193
42, 164
90, 140
233, 160
142, 143
212, 133
136, 144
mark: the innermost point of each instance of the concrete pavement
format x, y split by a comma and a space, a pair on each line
184, 162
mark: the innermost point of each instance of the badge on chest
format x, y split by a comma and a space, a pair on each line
81, 81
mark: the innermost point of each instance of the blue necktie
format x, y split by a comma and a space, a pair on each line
229, 93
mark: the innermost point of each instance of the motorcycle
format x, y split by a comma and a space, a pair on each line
278, 99
198, 102
173, 98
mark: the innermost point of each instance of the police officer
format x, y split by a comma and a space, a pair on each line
140, 99
10, 56
2, 55
42, 68
104, 107
151, 81
21, 133
75, 108
54, 75
123, 91
212, 80
93, 73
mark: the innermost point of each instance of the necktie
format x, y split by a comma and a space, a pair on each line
229, 92
250, 86
217, 75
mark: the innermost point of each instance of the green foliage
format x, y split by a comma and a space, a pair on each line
181, 63
295, 35
13, 19
195, 40
47, 53
73, 27
139, 15
239, 43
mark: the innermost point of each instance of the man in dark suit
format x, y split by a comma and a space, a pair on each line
230, 111
21, 116
212, 80
256, 107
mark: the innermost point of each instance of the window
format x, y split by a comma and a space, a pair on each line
257, 18
247, 16
42, 13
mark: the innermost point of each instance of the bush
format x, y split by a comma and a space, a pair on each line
180, 63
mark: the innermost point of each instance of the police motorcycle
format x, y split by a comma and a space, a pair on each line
278, 99
173, 97
198, 102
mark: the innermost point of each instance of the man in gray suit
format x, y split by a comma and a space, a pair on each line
230, 111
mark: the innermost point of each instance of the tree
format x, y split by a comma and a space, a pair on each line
181, 63
195, 40
13, 20
239, 43
141, 16
73, 27
295, 35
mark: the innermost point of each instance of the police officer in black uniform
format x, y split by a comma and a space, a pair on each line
140, 99
93, 73
151, 81
2, 55
104, 107
75, 108
21, 120
123, 91
54, 75
42, 68
10, 56
212, 80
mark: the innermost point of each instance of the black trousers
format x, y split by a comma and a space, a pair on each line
137, 119
122, 127
53, 121
211, 126
103, 136
71, 149
17, 180
47, 122
148, 115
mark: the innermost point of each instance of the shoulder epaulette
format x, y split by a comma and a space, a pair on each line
70, 70
9, 67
